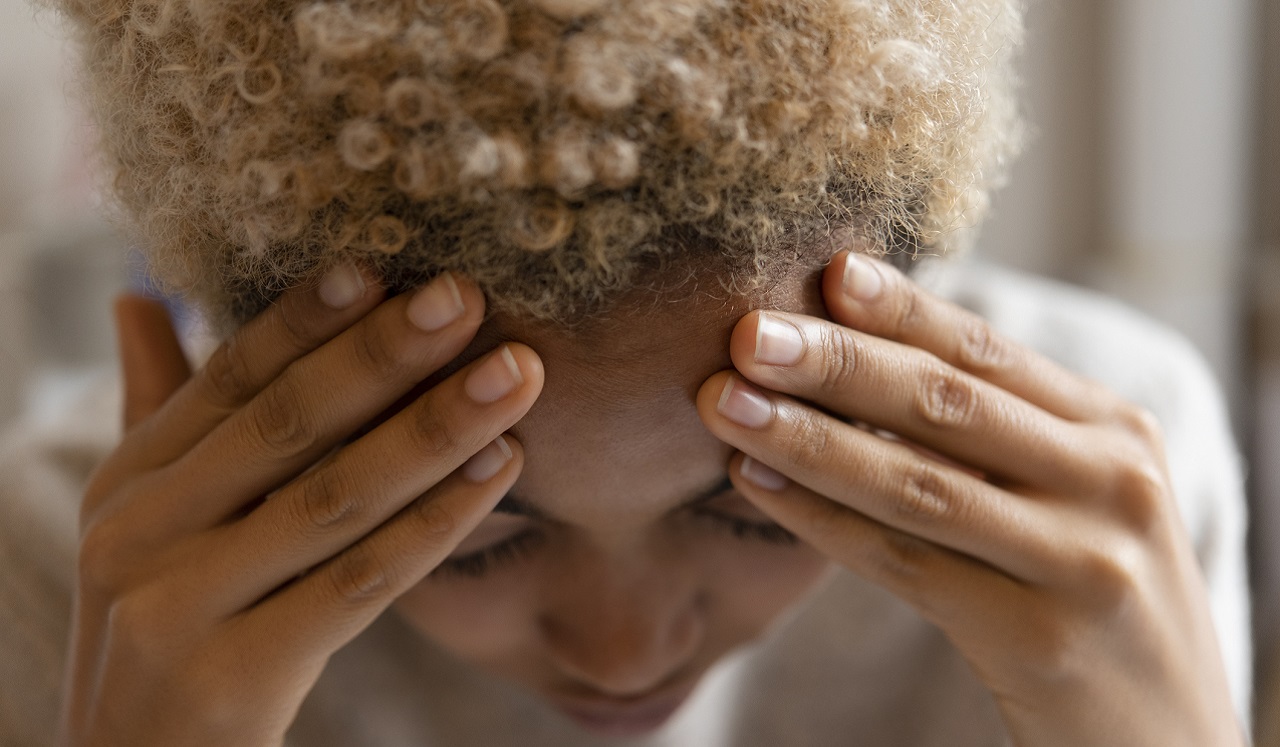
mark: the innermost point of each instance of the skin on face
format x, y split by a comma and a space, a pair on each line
619, 589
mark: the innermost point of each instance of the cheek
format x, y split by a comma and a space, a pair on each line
481, 622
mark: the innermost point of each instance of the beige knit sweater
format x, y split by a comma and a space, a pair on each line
854, 667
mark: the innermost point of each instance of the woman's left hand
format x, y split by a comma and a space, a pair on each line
1024, 510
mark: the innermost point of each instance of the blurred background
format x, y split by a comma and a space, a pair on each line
1153, 175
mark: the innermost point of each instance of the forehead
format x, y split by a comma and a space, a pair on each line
616, 417
653, 348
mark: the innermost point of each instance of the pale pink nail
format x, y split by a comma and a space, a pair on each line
495, 378
437, 305
341, 287
862, 278
761, 476
487, 462
778, 343
745, 406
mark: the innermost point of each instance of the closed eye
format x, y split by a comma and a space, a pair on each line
727, 509
507, 537
480, 562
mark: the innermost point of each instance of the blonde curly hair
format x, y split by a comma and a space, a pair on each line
551, 150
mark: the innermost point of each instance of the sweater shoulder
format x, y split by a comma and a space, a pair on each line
45, 462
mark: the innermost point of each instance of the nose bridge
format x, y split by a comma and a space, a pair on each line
622, 626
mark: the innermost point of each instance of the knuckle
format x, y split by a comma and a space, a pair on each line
1141, 493
101, 562
901, 560
433, 434
136, 624
228, 375
297, 325
1111, 575
433, 523
926, 497
946, 397
325, 499
809, 445
377, 356
280, 421
840, 355
1141, 423
980, 348
356, 576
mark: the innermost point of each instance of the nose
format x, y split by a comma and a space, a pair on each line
624, 631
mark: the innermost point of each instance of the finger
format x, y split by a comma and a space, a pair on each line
299, 321
323, 610
153, 362
913, 394
872, 297
954, 591
879, 479
333, 506
322, 398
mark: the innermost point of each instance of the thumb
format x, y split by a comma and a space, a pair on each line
152, 358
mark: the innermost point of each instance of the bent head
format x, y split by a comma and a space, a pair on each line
623, 180
622, 564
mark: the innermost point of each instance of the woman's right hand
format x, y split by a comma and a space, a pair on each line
235, 539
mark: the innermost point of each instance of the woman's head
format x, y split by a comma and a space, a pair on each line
623, 181
559, 152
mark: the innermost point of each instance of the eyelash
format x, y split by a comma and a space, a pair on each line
750, 530
481, 562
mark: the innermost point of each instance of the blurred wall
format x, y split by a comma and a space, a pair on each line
1049, 215
32, 123
1137, 178
1265, 346
35, 123
59, 262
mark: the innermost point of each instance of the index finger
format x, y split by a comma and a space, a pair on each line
301, 320
870, 296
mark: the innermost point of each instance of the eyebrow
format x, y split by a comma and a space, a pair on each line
511, 504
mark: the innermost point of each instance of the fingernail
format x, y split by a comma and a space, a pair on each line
761, 476
778, 343
495, 378
742, 404
862, 278
487, 462
437, 305
341, 287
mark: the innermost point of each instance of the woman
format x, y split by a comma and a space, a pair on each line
554, 331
